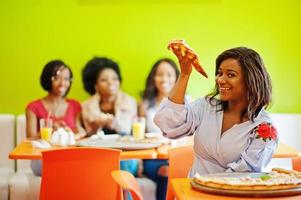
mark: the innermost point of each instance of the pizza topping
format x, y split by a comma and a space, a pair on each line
265, 177
176, 45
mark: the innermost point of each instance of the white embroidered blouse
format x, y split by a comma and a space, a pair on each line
241, 148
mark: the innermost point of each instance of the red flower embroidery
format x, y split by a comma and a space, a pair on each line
266, 131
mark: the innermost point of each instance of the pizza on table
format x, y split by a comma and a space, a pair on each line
275, 180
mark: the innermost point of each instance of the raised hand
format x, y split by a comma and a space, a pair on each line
186, 56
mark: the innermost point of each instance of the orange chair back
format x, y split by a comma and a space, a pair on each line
297, 163
79, 173
128, 182
180, 162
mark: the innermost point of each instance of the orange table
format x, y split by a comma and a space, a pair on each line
162, 151
183, 191
283, 151
25, 151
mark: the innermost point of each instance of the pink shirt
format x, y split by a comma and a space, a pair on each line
38, 108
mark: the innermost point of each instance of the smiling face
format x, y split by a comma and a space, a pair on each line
61, 82
107, 83
230, 81
165, 78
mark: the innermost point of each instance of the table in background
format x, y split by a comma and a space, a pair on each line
25, 151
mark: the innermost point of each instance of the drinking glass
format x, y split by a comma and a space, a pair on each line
46, 129
138, 128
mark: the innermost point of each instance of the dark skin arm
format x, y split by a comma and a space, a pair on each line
31, 125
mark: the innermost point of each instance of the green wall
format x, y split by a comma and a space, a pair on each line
136, 34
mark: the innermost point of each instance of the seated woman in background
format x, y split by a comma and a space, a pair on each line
108, 109
159, 82
56, 79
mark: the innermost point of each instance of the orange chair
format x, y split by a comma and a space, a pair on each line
180, 162
296, 163
80, 173
127, 182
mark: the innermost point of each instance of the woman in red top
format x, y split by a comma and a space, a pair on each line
56, 78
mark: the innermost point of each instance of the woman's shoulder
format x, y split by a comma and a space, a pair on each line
94, 99
37, 107
262, 126
73, 103
126, 97
34, 104
265, 130
263, 117
148, 103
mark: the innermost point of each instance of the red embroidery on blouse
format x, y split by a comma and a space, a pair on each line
266, 131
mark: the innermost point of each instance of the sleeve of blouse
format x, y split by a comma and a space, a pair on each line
77, 106
34, 107
31, 106
177, 120
262, 144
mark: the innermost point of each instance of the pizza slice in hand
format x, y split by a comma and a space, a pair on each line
186, 50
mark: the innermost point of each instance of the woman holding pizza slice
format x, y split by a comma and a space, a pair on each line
232, 131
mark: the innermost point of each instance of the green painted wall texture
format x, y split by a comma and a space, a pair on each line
136, 33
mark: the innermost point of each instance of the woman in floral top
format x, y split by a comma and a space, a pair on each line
232, 131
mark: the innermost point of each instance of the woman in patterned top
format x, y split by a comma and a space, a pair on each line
232, 131
109, 108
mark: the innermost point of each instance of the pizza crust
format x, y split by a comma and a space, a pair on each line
285, 171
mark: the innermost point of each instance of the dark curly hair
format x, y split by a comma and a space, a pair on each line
151, 91
256, 77
50, 70
92, 70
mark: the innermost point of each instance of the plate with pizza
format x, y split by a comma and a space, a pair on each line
279, 182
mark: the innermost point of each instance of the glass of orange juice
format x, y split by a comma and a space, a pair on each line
138, 128
46, 129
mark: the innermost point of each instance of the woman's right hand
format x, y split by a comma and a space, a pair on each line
109, 120
186, 56
104, 120
178, 47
